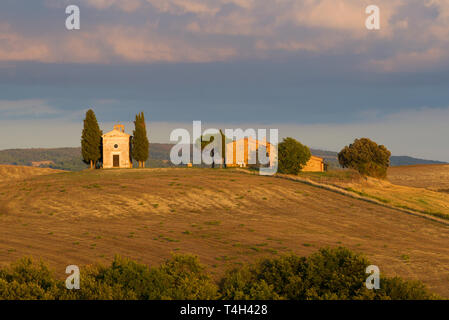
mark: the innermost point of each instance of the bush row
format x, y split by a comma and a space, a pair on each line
328, 274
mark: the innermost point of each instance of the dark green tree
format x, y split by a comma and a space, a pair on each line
223, 149
140, 143
208, 139
91, 140
205, 141
367, 157
292, 156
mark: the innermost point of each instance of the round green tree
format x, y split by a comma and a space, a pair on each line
292, 156
367, 157
91, 140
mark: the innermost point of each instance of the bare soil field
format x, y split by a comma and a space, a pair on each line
223, 216
8, 172
433, 177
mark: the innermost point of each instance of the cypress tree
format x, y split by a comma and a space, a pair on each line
209, 139
91, 140
140, 143
223, 149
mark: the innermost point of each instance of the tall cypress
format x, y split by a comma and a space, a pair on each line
140, 143
223, 149
209, 139
91, 139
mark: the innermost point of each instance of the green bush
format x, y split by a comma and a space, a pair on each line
367, 157
28, 280
399, 289
243, 284
292, 156
180, 278
328, 274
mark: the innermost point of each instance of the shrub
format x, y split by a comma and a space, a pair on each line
180, 278
245, 284
399, 289
334, 274
185, 278
27, 279
292, 156
328, 274
124, 279
367, 157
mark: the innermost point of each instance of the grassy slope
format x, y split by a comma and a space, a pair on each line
421, 188
223, 216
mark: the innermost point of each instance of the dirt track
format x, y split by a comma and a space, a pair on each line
223, 216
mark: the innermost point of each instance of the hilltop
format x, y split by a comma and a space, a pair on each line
70, 158
226, 217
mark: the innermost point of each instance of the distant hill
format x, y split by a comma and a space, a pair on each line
70, 158
62, 158
331, 158
406, 161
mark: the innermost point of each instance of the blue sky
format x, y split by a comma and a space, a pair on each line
309, 68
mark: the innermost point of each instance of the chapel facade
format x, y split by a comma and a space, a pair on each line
117, 148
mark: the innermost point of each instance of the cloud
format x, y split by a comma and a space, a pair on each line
17, 47
419, 60
124, 5
37, 109
26, 108
413, 32
133, 45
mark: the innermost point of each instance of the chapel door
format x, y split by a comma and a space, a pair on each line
116, 160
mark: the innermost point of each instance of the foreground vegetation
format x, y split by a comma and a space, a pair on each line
328, 274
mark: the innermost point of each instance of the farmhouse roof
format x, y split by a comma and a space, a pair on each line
251, 140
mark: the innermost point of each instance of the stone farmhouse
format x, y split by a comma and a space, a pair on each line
240, 152
315, 164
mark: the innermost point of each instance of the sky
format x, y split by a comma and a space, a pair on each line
309, 68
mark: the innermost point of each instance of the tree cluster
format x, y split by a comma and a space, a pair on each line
92, 142
328, 274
